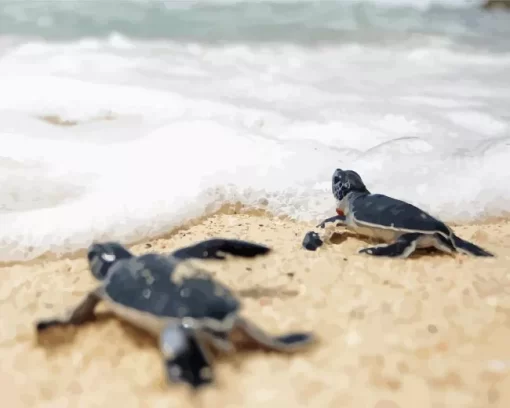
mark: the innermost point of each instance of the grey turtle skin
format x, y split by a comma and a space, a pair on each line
184, 307
402, 226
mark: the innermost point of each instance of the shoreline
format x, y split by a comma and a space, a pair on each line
225, 209
427, 331
229, 209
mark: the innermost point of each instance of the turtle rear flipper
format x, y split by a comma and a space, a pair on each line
185, 356
401, 248
81, 313
289, 342
470, 248
406, 244
217, 248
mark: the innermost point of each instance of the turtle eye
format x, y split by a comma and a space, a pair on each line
108, 257
336, 180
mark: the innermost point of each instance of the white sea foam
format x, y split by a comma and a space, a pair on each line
166, 132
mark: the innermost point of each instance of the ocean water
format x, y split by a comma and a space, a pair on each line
121, 119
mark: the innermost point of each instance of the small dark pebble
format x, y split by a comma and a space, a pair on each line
312, 241
248, 268
290, 274
432, 329
345, 259
148, 245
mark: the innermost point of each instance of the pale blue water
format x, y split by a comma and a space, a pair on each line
221, 101
289, 21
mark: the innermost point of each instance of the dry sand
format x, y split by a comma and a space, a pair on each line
433, 331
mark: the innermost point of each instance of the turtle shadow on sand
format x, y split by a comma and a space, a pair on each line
428, 253
258, 292
53, 341
339, 238
66, 335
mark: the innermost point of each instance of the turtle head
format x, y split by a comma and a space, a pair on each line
345, 182
102, 256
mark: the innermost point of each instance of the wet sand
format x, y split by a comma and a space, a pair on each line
432, 331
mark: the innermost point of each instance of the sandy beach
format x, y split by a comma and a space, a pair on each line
432, 331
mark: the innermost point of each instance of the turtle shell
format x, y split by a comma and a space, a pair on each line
386, 212
149, 283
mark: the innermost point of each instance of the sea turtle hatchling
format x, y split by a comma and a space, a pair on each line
402, 226
191, 313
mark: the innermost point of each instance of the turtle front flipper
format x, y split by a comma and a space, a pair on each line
81, 313
339, 221
185, 356
217, 248
312, 240
404, 246
289, 342
470, 248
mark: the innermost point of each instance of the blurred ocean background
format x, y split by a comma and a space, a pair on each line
120, 119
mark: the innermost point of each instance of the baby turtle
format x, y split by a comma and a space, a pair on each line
182, 305
401, 225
